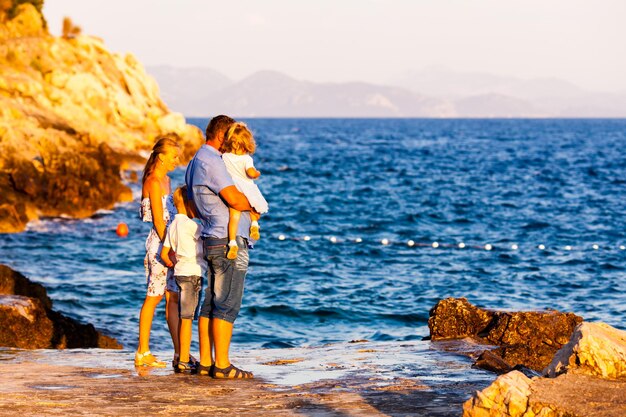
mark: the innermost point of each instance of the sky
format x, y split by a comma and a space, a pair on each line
374, 41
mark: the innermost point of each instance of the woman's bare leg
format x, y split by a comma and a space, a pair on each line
145, 325
145, 321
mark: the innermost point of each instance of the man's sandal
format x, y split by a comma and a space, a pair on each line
148, 359
224, 373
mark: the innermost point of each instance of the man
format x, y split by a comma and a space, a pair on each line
212, 190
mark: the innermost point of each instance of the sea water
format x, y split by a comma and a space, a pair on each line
372, 222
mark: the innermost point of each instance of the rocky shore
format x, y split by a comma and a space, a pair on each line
553, 363
72, 116
29, 322
586, 375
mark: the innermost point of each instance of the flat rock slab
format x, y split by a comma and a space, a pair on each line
581, 395
352, 379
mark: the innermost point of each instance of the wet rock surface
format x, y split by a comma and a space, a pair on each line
72, 115
28, 321
356, 379
528, 339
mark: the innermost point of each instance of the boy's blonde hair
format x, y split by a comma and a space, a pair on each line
181, 200
239, 139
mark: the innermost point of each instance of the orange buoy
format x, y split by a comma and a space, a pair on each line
122, 230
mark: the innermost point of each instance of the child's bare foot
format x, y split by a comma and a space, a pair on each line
232, 250
255, 233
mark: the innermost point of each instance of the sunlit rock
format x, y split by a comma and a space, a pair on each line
507, 396
594, 349
71, 115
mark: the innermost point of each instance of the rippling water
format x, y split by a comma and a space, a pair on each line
558, 183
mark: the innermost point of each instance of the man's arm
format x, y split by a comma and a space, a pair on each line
235, 198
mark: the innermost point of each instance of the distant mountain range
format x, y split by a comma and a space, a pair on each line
436, 93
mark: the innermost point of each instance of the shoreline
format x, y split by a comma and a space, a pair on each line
360, 378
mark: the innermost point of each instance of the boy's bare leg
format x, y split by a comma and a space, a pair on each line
233, 225
171, 316
185, 339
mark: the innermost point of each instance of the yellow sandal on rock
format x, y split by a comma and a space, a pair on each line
148, 359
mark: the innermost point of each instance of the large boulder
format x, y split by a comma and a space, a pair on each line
28, 321
594, 349
529, 339
25, 323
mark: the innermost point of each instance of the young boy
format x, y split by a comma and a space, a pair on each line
183, 249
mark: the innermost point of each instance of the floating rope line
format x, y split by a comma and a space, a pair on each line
438, 245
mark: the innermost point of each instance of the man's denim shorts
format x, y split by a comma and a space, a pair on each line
189, 296
226, 278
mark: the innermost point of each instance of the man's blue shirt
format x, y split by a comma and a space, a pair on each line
206, 177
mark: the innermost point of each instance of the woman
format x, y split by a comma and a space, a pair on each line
157, 207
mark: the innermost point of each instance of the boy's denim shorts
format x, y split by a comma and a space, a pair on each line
189, 296
226, 278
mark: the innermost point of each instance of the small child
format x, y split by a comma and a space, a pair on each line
183, 239
237, 149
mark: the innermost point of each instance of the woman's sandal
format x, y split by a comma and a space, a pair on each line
148, 359
225, 373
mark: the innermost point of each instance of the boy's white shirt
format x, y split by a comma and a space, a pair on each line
183, 236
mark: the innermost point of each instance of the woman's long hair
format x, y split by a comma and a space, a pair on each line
163, 143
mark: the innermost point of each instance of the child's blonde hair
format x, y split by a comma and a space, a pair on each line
182, 202
239, 139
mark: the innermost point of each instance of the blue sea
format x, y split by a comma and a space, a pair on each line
372, 222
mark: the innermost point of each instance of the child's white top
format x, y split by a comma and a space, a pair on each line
237, 165
183, 236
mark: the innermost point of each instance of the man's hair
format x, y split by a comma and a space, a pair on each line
218, 124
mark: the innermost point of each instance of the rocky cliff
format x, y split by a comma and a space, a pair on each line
72, 115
